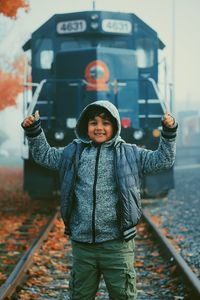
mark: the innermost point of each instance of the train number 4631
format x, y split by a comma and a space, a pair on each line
71, 26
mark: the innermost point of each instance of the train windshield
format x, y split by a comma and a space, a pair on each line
44, 53
84, 43
145, 52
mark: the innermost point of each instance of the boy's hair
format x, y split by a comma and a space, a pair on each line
96, 111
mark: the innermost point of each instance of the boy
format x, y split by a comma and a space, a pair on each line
100, 195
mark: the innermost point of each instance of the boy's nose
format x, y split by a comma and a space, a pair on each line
99, 126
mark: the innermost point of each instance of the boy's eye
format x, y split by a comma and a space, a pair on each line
95, 122
92, 122
106, 122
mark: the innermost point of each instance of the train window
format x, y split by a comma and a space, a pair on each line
74, 44
145, 53
44, 53
113, 44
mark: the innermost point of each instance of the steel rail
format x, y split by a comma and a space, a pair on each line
189, 277
9, 286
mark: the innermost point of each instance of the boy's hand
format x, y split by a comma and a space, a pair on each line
32, 125
28, 121
168, 120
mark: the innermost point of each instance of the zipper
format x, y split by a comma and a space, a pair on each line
94, 194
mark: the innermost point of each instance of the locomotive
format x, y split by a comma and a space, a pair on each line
77, 58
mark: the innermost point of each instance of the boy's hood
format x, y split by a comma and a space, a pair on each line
81, 126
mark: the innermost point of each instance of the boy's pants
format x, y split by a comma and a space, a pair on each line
113, 259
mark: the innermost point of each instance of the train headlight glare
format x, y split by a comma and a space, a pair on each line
138, 134
71, 122
59, 135
156, 133
94, 16
94, 25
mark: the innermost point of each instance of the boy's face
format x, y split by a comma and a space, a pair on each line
100, 129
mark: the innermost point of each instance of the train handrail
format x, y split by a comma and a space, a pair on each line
35, 96
156, 89
39, 86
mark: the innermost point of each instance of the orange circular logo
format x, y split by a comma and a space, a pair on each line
97, 75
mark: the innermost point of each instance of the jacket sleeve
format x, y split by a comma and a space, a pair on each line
43, 153
164, 157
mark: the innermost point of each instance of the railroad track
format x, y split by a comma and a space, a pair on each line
188, 276
44, 270
178, 214
13, 254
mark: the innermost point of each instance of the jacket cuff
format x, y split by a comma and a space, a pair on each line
169, 132
34, 129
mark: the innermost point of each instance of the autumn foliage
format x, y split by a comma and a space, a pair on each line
11, 84
10, 8
9, 87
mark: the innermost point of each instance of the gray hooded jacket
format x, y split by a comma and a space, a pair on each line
100, 185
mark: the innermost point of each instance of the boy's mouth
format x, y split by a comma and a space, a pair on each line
99, 133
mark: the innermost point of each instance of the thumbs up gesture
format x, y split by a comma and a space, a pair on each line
168, 120
28, 121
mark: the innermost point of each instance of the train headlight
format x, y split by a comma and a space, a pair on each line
59, 135
138, 134
94, 16
71, 123
156, 133
94, 25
